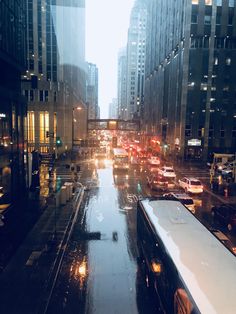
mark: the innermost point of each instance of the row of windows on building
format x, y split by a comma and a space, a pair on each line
188, 132
207, 19
218, 2
219, 42
39, 95
203, 87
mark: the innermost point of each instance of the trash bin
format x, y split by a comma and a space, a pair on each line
63, 194
69, 187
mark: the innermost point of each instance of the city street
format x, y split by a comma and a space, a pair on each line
84, 255
100, 272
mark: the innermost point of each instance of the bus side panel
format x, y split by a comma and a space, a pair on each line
167, 285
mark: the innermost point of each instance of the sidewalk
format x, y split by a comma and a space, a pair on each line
29, 276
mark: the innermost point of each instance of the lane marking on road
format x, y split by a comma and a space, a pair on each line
100, 217
34, 256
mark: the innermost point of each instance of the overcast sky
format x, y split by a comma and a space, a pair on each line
107, 24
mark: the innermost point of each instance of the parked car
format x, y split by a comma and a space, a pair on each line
184, 198
191, 185
154, 160
155, 182
225, 214
167, 172
225, 240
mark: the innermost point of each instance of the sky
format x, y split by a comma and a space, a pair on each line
107, 23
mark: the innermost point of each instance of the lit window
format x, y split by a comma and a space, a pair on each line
55, 125
31, 127
208, 2
228, 61
216, 61
43, 126
195, 1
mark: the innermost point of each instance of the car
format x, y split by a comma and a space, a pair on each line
154, 160
225, 240
184, 198
171, 184
167, 172
225, 214
191, 185
227, 172
156, 182
142, 160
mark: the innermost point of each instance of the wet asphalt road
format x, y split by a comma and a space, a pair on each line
100, 273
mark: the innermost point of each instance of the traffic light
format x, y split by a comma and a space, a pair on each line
58, 141
114, 141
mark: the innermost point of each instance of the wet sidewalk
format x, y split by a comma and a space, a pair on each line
29, 276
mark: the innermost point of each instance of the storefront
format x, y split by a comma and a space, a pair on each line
193, 151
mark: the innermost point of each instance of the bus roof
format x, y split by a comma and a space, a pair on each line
205, 265
120, 151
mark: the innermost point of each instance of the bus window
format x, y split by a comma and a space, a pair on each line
182, 303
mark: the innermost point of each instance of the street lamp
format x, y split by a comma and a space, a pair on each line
79, 120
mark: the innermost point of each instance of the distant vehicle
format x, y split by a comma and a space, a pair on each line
225, 214
184, 198
101, 153
156, 182
228, 169
184, 265
191, 185
225, 240
154, 160
167, 172
142, 160
120, 159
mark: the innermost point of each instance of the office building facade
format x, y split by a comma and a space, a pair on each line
190, 76
13, 110
121, 84
113, 109
54, 83
135, 61
92, 91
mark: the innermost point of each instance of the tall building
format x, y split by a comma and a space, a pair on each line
92, 91
136, 48
54, 83
190, 76
113, 109
13, 145
121, 84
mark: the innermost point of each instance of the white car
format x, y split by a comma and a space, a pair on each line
154, 161
167, 172
191, 185
183, 198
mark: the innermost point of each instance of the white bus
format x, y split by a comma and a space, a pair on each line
186, 266
120, 159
